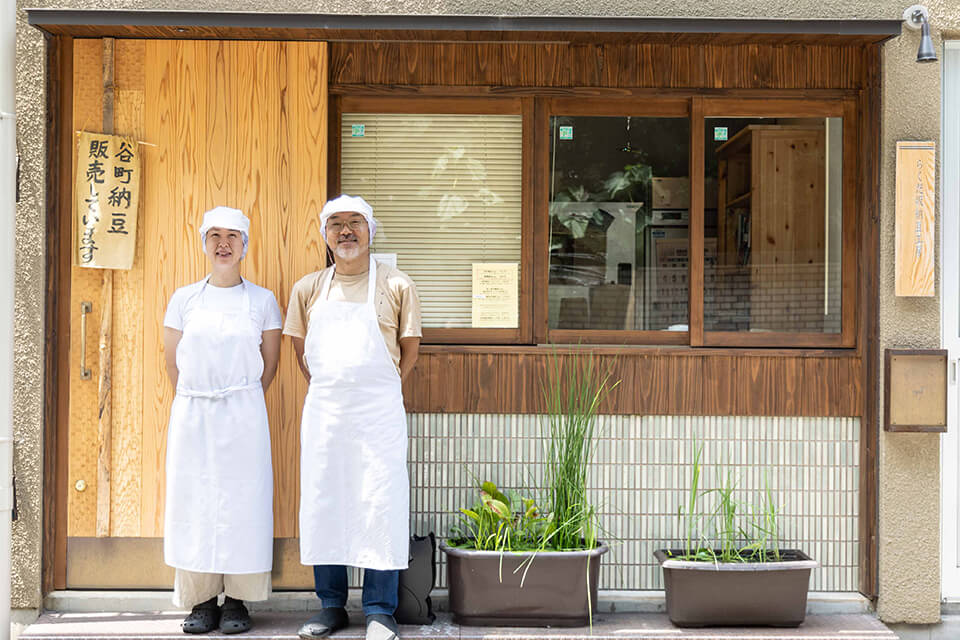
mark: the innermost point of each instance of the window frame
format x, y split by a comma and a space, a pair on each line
735, 107
523, 107
642, 108
536, 110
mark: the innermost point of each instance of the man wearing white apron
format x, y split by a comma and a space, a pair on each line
356, 333
222, 344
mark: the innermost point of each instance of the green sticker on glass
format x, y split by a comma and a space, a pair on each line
720, 133
357, 130
566, 133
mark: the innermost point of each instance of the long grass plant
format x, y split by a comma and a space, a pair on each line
564, 519
732, 529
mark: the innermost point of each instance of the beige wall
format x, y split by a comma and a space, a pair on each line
909, 463
909, 476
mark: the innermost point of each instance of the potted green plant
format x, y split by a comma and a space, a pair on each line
511, 563
738, 576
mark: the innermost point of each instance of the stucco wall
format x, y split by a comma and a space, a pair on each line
28, 396
909, 482
909, 463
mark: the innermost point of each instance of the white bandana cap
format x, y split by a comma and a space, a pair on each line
343, 204
225, 218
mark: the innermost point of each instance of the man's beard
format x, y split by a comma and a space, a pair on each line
348, 253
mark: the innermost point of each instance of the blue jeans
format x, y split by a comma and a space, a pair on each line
379, 588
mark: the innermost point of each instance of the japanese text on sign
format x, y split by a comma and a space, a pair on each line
108, 192
495, 295
914, 270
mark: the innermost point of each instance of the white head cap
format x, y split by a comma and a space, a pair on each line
343, 204
225, 218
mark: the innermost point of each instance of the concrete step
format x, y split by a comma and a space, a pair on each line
275, 625
78, 601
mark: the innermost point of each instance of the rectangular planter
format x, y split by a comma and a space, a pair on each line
554, 591
703, 594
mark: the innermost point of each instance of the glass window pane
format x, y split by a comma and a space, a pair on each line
619, 223
773, 231
445, 189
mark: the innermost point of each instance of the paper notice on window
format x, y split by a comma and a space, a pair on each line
386, 258
495, 295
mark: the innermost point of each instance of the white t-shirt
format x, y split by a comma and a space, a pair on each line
263, 304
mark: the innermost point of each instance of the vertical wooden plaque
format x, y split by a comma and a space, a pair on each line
916, 198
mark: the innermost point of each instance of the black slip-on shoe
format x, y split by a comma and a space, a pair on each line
203, 618
234, 617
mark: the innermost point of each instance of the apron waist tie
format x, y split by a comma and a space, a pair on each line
216, 394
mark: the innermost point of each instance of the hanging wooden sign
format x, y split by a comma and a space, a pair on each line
107, 197
915, 218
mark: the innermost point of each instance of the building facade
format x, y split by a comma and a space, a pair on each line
649, 183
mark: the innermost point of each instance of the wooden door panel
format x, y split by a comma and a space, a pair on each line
242, 124
84, 287
128, 347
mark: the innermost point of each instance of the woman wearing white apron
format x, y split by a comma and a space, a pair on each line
362, 336
222, 345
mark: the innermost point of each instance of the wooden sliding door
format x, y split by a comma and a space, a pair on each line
242, 124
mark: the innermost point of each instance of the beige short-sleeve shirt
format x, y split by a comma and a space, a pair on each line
397, 303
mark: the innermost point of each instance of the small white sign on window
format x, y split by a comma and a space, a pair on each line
386, 258
566, 133
357, 130
720, 133
495, 295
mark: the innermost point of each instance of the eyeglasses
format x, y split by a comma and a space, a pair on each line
354, 225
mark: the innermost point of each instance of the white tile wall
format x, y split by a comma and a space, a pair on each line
640, 475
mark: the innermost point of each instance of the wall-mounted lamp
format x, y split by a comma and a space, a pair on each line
916, 17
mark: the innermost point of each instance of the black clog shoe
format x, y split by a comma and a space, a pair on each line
234, 617
203, 618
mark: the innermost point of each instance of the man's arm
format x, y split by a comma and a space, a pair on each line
298, 347
409, 350
296, 323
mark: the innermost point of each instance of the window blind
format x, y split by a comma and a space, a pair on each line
446, 191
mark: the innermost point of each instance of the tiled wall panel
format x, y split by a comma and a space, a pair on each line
641, 475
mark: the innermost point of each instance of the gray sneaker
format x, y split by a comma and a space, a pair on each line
382, 627
329, 620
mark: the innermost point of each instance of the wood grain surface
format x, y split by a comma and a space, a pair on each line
128, 331
651, 383
196, 26
159, 84
237, 123
105, 333
59, 181
915, 219
84, 286
104, 403
868, 314
614, 65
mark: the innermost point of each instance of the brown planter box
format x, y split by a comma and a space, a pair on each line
554, 592
701, 594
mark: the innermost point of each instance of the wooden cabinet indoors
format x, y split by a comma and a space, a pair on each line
770, 219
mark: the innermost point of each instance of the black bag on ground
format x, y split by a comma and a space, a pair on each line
414, 604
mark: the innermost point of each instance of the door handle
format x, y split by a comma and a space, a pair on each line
86, 308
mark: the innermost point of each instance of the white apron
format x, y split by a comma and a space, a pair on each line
354, 490
219, 510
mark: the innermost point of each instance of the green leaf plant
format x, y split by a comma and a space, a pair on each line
500, 522
742, 531
573, 390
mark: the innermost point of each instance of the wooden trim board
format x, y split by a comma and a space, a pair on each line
57, 353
